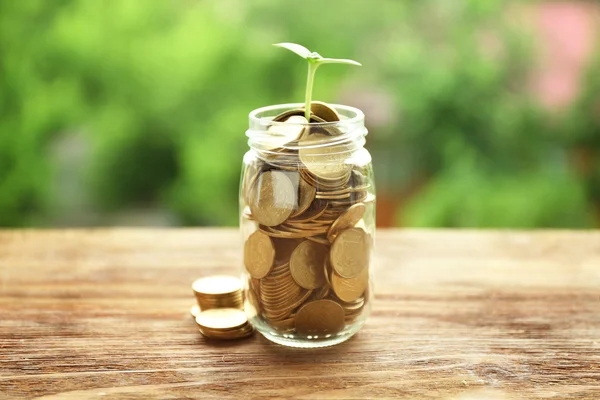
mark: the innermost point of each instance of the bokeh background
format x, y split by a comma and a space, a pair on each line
133, 112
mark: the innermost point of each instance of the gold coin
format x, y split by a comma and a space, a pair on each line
344, 190
279, 294
251, 174
284, 309
353, 305
350, 252
347, 220
227, 302
297, 111
314, 211
228, 335
280, 271
318, 239
218, 291
286, 114
273, 198
327, 270
350, 289
259, 254
221, 319
310, 225
306, 195
278, 287
321, 293
320, 317
325, 162
324, 111
215, 285
195, 310
314, 229
284, 325
291, 306
286, 234
274, 233
281, 133
276, 281
277, 317
280, 300
306, 264
333, 196
278, 291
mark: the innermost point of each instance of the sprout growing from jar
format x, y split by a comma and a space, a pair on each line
314, 61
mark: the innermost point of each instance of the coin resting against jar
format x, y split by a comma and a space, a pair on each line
307, 217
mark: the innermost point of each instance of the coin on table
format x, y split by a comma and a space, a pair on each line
224, 323
324, 111
306, 264
273, 198
221, 319
259, 254
218, 291
325, 162
350, 252
320, 317
218, 284
195, 310
241, 333
347, 220
350, 289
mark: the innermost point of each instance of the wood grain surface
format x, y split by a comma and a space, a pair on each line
103, 314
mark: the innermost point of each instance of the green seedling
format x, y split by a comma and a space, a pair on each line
314, 61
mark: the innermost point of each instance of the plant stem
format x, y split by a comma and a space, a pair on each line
310, 79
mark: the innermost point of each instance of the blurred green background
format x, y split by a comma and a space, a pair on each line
133, 112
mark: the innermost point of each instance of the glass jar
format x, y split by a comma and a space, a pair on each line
307, 218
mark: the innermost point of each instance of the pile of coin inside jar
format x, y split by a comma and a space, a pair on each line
307, 258
218, 313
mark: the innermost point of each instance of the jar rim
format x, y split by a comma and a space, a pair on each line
357, 117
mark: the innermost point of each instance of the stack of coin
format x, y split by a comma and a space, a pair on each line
224, 323
218, 313
306, 196
218, 292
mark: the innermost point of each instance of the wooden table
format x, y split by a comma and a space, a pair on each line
104, 314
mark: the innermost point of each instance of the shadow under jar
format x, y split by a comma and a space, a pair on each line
307, 218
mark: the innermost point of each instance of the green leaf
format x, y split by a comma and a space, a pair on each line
339, 61
296, 48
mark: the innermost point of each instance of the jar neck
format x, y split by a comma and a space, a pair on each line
268, 136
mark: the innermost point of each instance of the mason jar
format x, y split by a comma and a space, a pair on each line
307, 219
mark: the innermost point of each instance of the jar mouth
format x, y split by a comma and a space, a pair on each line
264, 115
267, 135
